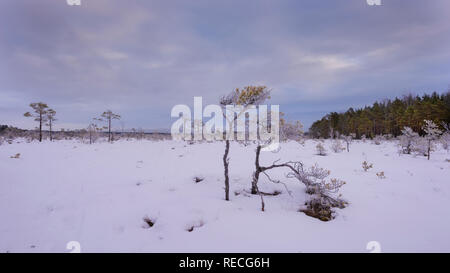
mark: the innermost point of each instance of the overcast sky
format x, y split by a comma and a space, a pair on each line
139, 58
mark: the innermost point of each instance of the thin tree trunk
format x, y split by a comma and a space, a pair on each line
40, 127
225, 165
257, 171
109, 130
429, 149
50, 123
262, 202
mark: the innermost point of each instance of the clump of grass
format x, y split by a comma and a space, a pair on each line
15, 156
198, 179
366, 166
148, 222
381, 175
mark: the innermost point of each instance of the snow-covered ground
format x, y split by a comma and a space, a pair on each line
99, 194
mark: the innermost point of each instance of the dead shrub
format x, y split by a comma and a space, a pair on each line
148, 222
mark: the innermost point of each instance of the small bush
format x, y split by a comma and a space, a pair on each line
320, 149
336, 146
15, 156
378, 139
381, 175
322, 209
366, 166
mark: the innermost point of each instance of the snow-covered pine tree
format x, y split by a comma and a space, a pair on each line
407, 139
432, 133
445, 137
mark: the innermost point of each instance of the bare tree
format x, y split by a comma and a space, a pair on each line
50, 117
348, 140
40, 115
92, 131
109, 116
291, 131
245, 97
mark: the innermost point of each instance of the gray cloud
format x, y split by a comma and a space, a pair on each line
139, 58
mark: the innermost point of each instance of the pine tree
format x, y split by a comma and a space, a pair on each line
40, 115
50, 117
109, 116
432, 133
407, 139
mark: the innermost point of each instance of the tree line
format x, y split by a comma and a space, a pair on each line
45, 116
387, 117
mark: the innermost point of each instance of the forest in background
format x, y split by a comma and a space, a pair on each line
386, 117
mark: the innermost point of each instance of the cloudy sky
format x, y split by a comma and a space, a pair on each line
139, 58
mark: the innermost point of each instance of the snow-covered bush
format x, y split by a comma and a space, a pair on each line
445, 140
378, 139
420, 146
320, 149
336, 146
363, 138
407, 140
323, 193
445, 137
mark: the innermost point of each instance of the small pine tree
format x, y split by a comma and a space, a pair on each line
50, 117
445, 137
109, 116
407, 139
40, 115
432, 133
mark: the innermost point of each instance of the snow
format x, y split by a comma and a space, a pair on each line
99, 194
